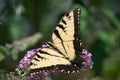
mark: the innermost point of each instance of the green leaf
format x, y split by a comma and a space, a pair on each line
3, 52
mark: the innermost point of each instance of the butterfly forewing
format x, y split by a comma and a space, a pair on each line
66, 33
65, 30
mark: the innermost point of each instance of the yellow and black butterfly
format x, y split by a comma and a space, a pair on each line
64, 52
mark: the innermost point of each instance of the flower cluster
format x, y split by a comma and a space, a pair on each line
43, 75
55, 71
40, 76
86, 56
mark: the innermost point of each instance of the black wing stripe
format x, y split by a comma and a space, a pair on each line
67, 14
64, 21
55, 48
57, 34
36, 59
61, 26
39, 56
44, 52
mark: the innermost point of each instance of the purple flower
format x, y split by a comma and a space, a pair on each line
39, 76
55, 71
36, 77
88, 63
47, 73
25, 62
30, 54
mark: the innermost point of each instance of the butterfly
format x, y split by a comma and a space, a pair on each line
64, 53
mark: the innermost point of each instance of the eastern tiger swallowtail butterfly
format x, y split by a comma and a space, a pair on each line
64, 53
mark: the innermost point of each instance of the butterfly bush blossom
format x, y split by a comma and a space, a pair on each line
25, 62
43, 75
86, 56
39, 76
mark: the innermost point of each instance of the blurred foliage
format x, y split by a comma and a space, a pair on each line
100, 30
